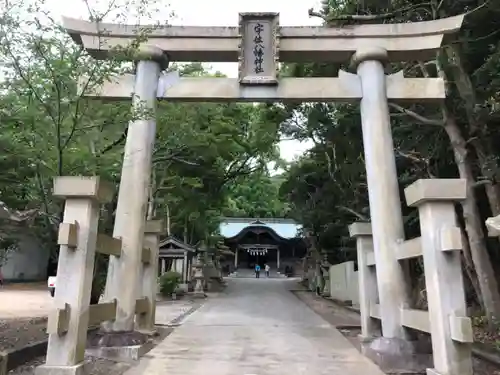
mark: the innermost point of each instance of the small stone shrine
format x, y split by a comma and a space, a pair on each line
175, 255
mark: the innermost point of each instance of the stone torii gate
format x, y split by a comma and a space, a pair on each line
259, 44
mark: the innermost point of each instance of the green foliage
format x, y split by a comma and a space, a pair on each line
50, 129
327, 187
99, 279
255, 195
169, 282
203, 151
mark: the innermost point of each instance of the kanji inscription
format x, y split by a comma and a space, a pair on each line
258, 64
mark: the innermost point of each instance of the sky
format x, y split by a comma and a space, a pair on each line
219, 13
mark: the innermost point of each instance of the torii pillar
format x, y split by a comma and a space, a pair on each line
383, 188
122, 281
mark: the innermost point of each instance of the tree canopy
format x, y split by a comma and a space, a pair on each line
205, 153
458, 138
212, 160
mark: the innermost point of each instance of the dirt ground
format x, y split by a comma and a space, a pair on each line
24, 301
23, 311
341, 317
96, 366
17, 333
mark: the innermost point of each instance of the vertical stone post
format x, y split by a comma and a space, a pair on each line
190, 269
368, 293
179, 265
236, 258
146, 322
184, 268
278, 258
198, 277
68, 322
383, 189
451, 329
163, 266
122, 282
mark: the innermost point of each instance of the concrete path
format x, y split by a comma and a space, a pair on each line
256, 327
169, 312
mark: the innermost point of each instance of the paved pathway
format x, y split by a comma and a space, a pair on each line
256, 327
168, 312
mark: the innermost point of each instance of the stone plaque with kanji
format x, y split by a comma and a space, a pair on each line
258, 62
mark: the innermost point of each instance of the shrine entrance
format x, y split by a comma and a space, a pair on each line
274, 241
259, 45
257, 256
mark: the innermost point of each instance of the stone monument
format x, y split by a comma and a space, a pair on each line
198, 277
325, 270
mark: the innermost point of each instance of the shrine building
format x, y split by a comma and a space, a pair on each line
277, 242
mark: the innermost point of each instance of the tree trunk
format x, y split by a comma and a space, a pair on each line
186, 231
487, 171
467, 92
151, 194
468, 264
168, 219
493, 197
151, 206
479, 253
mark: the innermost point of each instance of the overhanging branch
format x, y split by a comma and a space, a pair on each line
351, 211
416, 116
365, 17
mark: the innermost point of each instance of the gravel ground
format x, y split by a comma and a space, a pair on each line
17, 333
339, 316
334, 314
97, 366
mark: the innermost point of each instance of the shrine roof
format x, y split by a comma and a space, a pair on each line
173, 243
284, 228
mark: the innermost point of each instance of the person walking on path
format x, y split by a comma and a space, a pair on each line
268, 269
257, 271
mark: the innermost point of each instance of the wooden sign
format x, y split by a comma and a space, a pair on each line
258, 60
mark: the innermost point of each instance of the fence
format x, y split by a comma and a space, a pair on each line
439, 245
344, 283
79, 242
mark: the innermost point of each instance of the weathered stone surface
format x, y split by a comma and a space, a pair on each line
383, 188
79, 369
149, 276
121, 353
438, 190
123, 280
447, 322
493, 225
403, 42
83, 187
125, 338
396, 356
68, 322
258, 61
345, 88
167, 313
